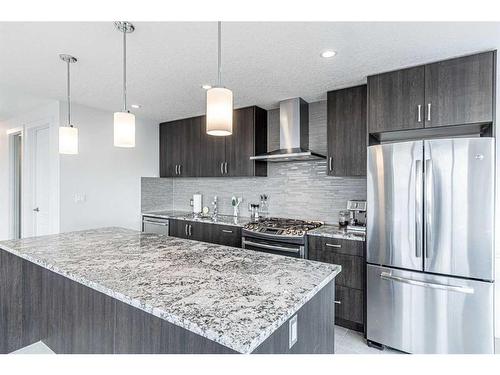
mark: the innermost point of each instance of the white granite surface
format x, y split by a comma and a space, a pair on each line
334, 231
235, 297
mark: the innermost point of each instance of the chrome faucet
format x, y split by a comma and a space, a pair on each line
216, 211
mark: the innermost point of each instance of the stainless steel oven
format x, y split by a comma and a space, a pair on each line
293, 248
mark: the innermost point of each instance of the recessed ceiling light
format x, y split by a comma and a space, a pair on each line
136, 106
328, 53
206, 87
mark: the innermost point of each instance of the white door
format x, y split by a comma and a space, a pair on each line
41, 182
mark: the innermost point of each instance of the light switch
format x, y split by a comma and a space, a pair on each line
292, 331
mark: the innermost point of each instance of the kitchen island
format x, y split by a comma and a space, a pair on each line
114, 290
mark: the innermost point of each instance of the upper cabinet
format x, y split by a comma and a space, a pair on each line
187, 151
396, 100
446, 93
460, 91
346, 132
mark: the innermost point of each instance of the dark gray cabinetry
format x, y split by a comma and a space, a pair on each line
453, 92
350, 283
179, 147
187, 151
396, 100
227, 235
460, 91
346, 132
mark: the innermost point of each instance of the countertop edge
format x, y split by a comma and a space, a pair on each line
186, 324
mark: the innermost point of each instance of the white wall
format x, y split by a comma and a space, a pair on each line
46, 114
108, 177
497, 205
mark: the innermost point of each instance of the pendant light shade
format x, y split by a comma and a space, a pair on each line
124, 122
68, 140
124, 129
68, 135
219, 113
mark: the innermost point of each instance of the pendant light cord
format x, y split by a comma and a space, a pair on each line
69, 96
124, 71
219, 54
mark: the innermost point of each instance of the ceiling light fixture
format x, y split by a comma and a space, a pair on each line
206, 87
124, 122
328, 53
68, 135
136, 106
219, 111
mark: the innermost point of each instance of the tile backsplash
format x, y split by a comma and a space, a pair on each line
295, 190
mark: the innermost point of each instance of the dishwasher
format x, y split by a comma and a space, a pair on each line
152, 224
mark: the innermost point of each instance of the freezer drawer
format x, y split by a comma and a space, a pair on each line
421, 313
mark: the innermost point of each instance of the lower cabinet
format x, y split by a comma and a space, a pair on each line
350, 283
227, 235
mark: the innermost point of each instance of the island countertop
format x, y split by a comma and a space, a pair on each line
234, 297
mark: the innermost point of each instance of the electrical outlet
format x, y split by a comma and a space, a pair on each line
292, 331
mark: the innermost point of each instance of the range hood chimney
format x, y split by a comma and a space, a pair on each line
294, 134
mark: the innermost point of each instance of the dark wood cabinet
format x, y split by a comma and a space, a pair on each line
460, 91
187, 151
350, 283
227, 235
346, 132
452, 92
179, 147
396, 100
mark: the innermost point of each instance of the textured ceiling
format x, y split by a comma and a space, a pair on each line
263, 62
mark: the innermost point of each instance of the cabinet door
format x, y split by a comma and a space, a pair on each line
394, 99
240, 145
212, 153
346, 132
459, 91
349, 307
227, 235
177, 228
189, 146
169, 144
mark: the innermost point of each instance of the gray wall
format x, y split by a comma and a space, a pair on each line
295, 190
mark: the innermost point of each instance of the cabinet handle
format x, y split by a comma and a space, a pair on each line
221, 168
190, 230
225, 167
180, 168
429, 112
227, 231
337, 302
419, 113
330, 164
176, 169
334, 245
186, 229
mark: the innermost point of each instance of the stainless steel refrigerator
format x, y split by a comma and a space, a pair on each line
430, 245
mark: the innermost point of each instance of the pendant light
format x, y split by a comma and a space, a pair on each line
68, 135
124, 122
219, 102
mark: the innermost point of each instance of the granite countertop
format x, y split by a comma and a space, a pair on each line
183, 215
334, 231
232, 296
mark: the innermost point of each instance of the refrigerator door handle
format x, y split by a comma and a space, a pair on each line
418, 208
453, 288
428, 207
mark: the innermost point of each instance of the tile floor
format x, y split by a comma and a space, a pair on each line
346, 342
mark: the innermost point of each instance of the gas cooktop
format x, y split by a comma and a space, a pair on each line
282, 227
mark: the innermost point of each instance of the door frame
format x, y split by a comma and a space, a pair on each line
11, 133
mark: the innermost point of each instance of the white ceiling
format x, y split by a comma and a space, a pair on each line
263, 62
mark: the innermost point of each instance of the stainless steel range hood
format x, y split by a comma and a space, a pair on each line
294, 134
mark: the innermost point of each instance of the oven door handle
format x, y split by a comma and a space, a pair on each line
271, 247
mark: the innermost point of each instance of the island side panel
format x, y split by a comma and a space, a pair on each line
315, 328
138, 332
21, 320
